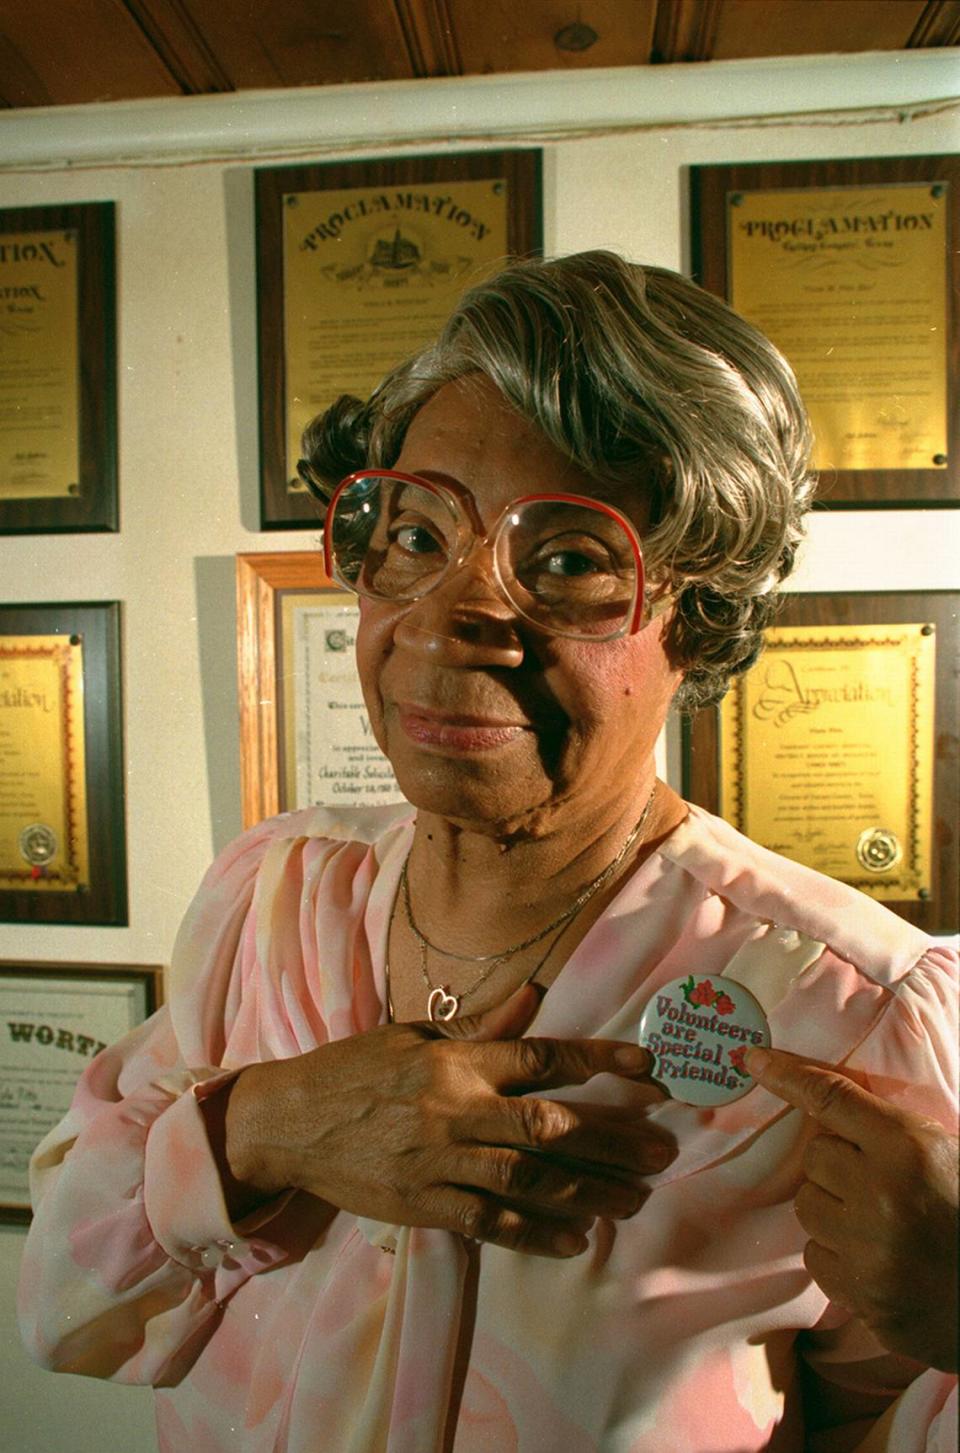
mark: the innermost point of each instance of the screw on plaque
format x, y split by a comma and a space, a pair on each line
940, 459
736, 199
927, 630
939, 190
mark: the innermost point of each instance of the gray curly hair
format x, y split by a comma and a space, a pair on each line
634, 373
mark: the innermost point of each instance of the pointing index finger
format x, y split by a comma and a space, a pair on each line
827, 1095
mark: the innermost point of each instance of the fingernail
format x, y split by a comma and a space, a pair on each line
661, 1155
756, 1061
631, 1057
568, 1243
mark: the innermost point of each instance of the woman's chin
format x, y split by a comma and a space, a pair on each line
486, 803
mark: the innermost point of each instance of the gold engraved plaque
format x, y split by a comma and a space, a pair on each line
39, 372
43, 804
850, 283
369, 276
826, 753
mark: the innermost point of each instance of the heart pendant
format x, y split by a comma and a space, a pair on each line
441, 1006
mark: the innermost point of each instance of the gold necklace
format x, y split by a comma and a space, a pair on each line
442, 1004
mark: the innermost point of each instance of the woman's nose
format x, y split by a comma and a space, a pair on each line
465, 620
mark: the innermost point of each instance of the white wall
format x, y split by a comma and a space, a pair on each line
188, 461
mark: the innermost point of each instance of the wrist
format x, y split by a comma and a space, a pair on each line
235, 1116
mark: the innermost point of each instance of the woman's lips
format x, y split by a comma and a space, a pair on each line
458, 732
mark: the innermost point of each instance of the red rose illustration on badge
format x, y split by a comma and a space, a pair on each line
700, 1029
736, 1059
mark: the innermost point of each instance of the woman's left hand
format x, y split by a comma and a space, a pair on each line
880, 1205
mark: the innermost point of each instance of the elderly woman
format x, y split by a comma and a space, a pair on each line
334, 1196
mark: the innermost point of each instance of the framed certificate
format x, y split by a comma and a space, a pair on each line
54, 1018
852, 269
62, 839
305, 736
58, 396
831, 749
358, 266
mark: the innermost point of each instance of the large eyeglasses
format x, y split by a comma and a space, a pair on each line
571, 565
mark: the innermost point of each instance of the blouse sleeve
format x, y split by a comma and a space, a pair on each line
131, 1253
909, 1059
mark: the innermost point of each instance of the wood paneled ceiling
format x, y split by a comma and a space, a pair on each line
67, 52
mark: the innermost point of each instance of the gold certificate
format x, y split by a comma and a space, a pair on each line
850, 283
331, 757
369, 276
826, 753
43, 800
39, 372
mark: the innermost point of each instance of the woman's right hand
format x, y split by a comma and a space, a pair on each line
430, 1125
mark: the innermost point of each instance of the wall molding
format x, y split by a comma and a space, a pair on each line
880, 85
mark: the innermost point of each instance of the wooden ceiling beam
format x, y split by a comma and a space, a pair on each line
76, 51
427, 27
181, 45
685, 30
19, 83
938, 25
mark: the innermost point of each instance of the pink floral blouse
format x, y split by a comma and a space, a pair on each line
679, 1331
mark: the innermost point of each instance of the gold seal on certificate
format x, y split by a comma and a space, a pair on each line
878, 849
38, 844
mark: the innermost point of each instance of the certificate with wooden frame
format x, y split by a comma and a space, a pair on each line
62, 830
305, 736
852, 268
359, 264
58, 391
832, 749
55, 1018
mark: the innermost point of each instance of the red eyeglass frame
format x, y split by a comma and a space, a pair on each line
443, 490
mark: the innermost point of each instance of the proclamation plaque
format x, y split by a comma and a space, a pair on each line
852, 269
837, 748
62, 845
54, 1019
57, 369
330, 755
39, 366
851, 285
359, 265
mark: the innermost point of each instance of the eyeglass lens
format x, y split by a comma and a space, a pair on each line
564, 565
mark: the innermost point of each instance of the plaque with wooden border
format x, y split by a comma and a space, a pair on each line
58, 386
852, 268
305, 736
62, 827
359, 263
839, 747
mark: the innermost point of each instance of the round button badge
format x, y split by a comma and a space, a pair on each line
699, 1030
